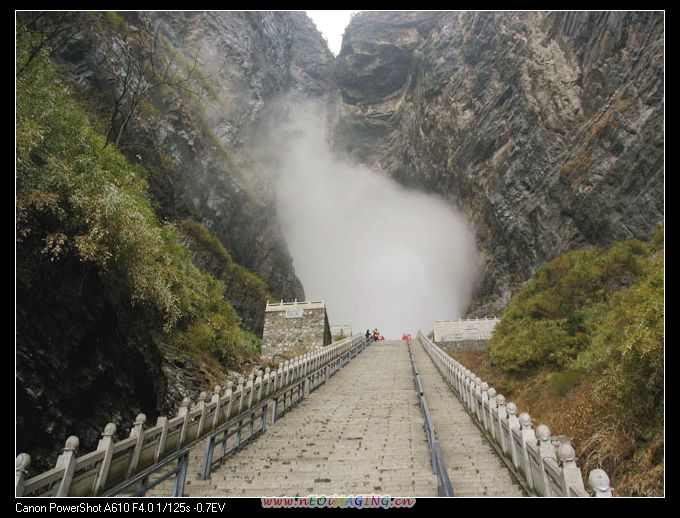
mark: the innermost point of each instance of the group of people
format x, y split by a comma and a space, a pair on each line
375, 336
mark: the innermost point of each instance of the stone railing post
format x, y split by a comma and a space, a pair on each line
598, 480
491, 405
528, 435
286, 374
571, 473
268, 381
471, 392
240, 390
250, 385
218, 405
161, 421
228, 400
183, 412
502, 414
513, 424
483, 404
21, 464
478, 399
467, 389
105, 445
258, 385
546, 450
138, 432
67, 461
202, 398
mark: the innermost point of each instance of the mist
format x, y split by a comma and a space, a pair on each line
379, 254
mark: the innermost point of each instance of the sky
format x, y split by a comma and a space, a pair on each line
332, 25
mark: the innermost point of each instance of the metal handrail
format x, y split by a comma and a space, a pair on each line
444, 487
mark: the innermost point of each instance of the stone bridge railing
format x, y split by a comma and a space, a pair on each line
547, 465
147, 449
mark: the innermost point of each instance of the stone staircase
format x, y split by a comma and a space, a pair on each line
360, 433
473, 466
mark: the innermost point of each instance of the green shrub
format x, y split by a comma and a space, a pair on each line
78, 199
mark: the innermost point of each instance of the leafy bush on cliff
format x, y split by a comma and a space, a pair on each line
589, 328
247, 292
554, 317
78, 199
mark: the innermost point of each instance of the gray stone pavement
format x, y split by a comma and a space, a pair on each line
473, 465
360, 433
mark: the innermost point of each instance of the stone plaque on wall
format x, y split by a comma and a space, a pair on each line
293, 313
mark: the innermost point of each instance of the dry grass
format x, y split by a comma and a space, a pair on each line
601, 438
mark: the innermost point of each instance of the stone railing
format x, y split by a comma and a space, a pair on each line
547, 465
115, 462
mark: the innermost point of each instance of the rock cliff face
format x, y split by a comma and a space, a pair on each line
78, 366
546, 129
190, 135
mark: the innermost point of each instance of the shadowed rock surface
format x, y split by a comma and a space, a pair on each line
545, 128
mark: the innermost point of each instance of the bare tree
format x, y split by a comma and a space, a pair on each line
49, 32
143, 62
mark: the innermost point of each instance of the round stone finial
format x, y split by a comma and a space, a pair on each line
22, 462
203, 396
598, 480
186, 401
484, 386
478, 380
72, 443
500, 399
524, 419
230, 384
217, 389
565, 452
110, 429
543, 432
492, 392
511, 408
140, 419
268, 369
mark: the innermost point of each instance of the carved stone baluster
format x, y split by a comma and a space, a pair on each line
491, 404
571, 473
250, 386
138, 432
183, 412
21, 464
483, 404
513, 423
228, 396
218, 406
161, 421
528, 435
258, 385
502, 415
67, 460
546, 451
202, 398
598, 480
240, 391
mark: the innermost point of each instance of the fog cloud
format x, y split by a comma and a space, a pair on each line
379, 254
